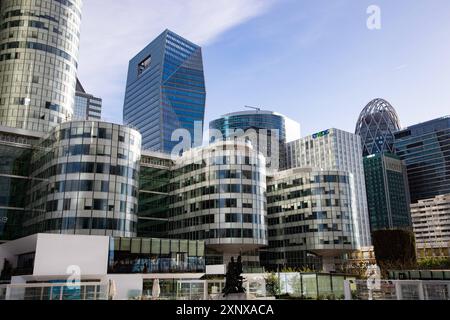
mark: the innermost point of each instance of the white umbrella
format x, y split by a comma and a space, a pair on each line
112, 289
156, 290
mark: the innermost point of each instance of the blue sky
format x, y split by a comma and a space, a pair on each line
312, 60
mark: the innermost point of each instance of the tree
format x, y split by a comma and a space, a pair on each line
395, 249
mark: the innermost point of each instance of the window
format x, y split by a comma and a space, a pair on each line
66, 205
144, 64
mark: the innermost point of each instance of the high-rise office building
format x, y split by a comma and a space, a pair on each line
335, 149
87, 107
376, 125
263, 128
166, 91
387, 192
425, 148
431, 221
39, 43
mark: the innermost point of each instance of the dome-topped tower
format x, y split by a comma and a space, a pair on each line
376, 126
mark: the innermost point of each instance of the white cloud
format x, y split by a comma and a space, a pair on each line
113, 31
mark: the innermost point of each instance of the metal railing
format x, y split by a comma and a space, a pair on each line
54, 291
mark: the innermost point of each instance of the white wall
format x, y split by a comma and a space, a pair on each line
55, 253
10, 250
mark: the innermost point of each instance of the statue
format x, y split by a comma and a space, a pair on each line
234, 281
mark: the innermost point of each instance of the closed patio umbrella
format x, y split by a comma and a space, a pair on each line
112, 290
156, 290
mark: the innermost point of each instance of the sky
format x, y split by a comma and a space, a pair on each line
315, 61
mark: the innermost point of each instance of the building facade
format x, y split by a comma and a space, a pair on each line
218, 195
39, 43
87, 107
267, 130
166, 91
310, 218
431, 222
84, 180
335, 149
425, 148
16, 149
387, 192
376, 125
154, 186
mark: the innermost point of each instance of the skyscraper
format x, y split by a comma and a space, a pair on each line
335, 149
264, 125
425, 148
166, 91
387, 192
376, 126
38, 62
87, 107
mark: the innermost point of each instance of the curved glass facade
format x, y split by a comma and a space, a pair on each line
39, 43
310, 216
261, 123
85, 181
218, 195
376, 125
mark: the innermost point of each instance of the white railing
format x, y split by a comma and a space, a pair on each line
397, 290
54, 291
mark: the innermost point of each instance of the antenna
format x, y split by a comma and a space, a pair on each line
255, 108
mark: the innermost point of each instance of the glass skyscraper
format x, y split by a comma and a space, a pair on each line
257, 121
387, 192
425, 148
166, 91
376, 125
39, 43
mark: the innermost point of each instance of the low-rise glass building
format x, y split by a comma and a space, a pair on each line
310, 218
84, 180
218, 195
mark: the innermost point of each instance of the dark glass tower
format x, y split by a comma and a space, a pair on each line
376, 126
387, 192
165, 91
425, 148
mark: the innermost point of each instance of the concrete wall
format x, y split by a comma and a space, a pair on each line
56, 254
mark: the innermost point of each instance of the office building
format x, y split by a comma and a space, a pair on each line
335, 149
376, 125
431, 222
310, 218
425, 148
165, 91
84, 180
268, 131
87, 107
387, 192
218, 195
39, 43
